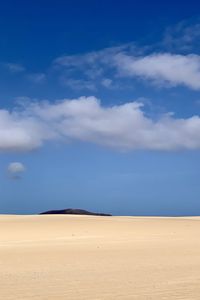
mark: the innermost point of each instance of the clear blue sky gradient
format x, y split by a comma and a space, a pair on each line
82, 175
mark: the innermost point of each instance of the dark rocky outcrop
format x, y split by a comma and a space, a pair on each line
72, 211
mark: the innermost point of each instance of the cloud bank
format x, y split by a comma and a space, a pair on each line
123, 127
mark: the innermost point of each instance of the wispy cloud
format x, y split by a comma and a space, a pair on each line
169, 63
78, 84
107, 82
14, 68
183, 37
105, 68
123, 127
37, 77
90, 70
94, 59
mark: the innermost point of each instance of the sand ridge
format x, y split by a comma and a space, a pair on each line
88, 257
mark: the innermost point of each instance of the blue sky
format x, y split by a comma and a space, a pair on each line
99, 106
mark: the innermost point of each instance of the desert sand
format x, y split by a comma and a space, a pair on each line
86, 257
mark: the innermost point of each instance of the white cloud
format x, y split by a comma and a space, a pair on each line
124, 127
21, 132
164, 69
172, 69
15, 169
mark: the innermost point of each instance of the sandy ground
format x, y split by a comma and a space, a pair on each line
81, 257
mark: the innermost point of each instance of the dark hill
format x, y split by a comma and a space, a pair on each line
71, 211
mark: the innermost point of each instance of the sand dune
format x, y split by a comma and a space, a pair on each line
85, 257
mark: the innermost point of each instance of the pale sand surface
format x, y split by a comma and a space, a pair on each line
81, 257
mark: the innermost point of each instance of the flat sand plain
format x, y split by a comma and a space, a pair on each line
87, 257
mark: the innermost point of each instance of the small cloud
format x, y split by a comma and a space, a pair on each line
78, 84
37, 77
14, 68
15, 170
106, 82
